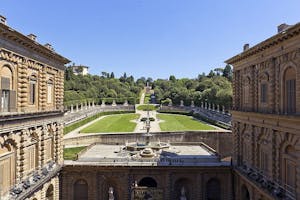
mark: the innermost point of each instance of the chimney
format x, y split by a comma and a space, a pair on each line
32, 36
246, 47
2, 19
48, 46
282, 27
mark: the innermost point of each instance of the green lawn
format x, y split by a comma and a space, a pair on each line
181, 123
70, 153
147, 98
146, 107
113, 123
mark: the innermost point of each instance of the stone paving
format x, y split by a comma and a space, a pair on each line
154, 126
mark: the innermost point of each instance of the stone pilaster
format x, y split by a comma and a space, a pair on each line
39, 133
43, 133
272, 87
21, 160
22, 101
42, 87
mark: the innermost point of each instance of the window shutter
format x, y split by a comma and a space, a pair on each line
5, 83
1, 101
1, 176
12, 101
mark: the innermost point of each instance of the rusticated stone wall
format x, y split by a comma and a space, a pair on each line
266, 130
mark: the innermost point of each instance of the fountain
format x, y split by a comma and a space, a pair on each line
147, 149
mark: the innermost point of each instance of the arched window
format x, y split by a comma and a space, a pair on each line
7, 93
213, 189
49, 193
290, 90
147, 182
245, 195
7, 167
80, 190
246, 93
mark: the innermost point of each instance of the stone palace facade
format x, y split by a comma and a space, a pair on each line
266, 122
31, 106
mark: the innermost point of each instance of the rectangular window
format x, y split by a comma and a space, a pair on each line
7, 171
291, 95
264, 161
263, 93
31, 158
50, 93
290, 176
48, 149
5, 83
32, 92
246, 94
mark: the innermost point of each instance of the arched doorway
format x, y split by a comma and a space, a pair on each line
49, 193
245, 195
80, 190
213, 189
147, 182
182, 188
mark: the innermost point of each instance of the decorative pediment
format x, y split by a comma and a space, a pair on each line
264, 77
266, 136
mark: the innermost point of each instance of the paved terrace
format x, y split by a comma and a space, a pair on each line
181, 154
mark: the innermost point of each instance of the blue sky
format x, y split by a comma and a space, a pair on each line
150, 38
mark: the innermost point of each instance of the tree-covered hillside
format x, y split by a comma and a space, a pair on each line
80, 88
214, 88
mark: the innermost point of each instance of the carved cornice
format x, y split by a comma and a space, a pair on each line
27, 43
23, 60
268, 43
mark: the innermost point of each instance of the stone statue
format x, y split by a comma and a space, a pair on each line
181, 103
182, 194
111, 193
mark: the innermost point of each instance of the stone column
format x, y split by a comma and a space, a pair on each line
213, 107
218, 108
72, 108
209, 106
93, 104
77, 107
223, 108
89, 104
114, 103
205, 105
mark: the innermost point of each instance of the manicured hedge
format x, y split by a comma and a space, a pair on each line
145, 119
179, 112
72, 127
